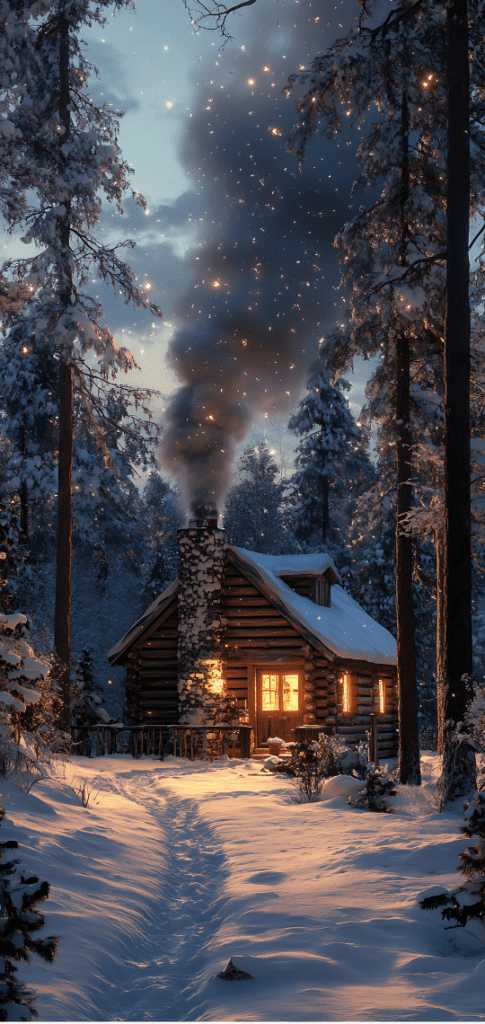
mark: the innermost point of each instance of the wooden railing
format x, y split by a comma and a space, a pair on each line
205, 742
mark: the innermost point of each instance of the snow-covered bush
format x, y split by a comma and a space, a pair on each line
379, 785
318, 760
19, 918
467, 902
19, 668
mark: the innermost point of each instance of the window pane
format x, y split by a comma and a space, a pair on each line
269, 693
382, 697
290, 693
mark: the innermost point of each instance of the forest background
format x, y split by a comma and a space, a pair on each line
341, 496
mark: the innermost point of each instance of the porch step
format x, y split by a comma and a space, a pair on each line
260, 753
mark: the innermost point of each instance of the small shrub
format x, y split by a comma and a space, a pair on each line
313, 762
380, 784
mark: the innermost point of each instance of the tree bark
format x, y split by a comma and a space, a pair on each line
409, 766
459, 770
440, 686
62, 627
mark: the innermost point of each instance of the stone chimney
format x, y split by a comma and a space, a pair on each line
200, 683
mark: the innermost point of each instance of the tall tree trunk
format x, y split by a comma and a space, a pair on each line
459, 771
440, 687
62, 628
409, 767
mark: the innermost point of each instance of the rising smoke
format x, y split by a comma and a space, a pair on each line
265, 276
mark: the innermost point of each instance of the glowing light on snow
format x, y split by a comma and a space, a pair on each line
216, 284
168, 104
275, 131
250, 81
147, 286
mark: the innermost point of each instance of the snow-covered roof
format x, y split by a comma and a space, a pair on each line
152, 613
294, 565
344, 630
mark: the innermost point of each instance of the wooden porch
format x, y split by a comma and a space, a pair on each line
203, 742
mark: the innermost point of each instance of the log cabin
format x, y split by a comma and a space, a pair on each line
273, 641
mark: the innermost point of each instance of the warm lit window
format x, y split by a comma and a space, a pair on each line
382, 697
279, 691
290, 692
346, 699
270, 693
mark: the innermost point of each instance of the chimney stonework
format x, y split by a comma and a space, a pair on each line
200, 682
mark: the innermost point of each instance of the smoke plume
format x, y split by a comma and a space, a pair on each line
264, 270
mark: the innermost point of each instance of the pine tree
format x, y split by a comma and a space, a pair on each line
393, 253
70, 147
163, 517
331, 457
255, 516
466, 903
19, 920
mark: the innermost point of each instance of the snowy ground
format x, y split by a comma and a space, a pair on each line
173, 868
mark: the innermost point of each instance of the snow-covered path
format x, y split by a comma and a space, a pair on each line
191, 906
174, 868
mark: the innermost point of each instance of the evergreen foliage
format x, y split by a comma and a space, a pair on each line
163, 516
378, 787
19, 920
332, 459
467, 903
256, 511
86, 701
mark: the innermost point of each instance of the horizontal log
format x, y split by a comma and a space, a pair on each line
248, 602
280, 631
165, 648
256, 654
236, 590
260, 613
351, 729
158, 663
168, 662
364, 679
249, 625
244, 644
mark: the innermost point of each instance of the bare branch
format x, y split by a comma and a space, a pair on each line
214, 13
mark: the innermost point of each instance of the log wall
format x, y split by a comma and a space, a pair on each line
152, 672
255, 632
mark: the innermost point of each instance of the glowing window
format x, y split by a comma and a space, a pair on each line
382, 697
290, 693
346, 698
269, 693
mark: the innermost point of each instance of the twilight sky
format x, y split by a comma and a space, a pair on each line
236, 243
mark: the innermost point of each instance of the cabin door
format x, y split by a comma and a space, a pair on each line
279, 703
